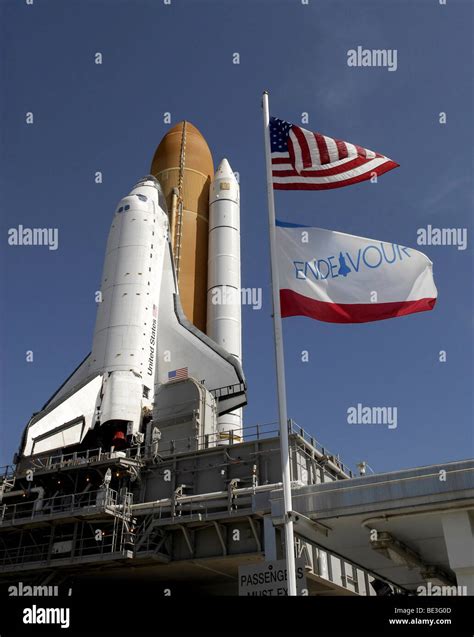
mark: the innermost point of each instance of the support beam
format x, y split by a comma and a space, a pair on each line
187, 538
269, 539
219, 528
161, 542
255, 533
458, 529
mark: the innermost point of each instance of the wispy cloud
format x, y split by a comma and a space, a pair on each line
437, 198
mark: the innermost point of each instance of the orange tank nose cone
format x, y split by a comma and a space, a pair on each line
197, 154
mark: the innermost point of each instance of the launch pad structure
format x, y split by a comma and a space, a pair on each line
185, 510
186, 514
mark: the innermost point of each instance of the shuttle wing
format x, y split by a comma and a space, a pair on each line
65, 421
77, 377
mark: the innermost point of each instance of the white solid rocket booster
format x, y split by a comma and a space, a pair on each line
224, 320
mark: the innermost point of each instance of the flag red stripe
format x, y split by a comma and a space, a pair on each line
305, 153
287, 160
380, 170
341, 149
324, 172
323, 149
294, 304
291, 154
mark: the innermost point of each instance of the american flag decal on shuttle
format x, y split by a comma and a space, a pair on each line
178, 374
302, 160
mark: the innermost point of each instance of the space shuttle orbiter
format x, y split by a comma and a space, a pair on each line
142, 340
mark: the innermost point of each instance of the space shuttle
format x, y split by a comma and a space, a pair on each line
174, 241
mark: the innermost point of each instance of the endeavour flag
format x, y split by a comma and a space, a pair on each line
339, 278
302, 160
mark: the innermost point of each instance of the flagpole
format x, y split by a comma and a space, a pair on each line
280, 362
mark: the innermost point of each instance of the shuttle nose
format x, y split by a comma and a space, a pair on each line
150, 182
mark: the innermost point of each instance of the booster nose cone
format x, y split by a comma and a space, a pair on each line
224, 184
224, 171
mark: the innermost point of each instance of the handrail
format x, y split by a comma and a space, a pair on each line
250, 432
297, 429
7, 471
31, 553
64, 503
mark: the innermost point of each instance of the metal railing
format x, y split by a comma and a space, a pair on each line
180, 445
7, 473
206, 441
177, 512
78, 458
48, 553
64, 504
296, 429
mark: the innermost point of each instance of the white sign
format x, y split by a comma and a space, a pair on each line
270, 579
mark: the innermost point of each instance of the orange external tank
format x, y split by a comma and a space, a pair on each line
183, 165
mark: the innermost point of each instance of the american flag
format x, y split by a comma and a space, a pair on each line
178, 374
302, 160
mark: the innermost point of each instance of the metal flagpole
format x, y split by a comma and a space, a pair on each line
280, 361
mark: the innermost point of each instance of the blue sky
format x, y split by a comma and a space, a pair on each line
178, 58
